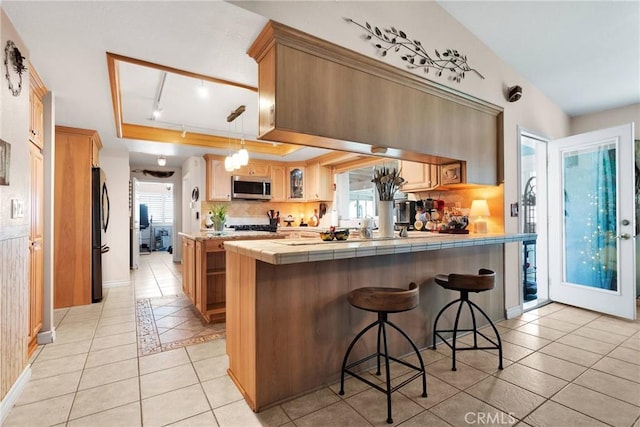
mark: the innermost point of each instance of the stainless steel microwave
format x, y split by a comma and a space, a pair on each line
251, 187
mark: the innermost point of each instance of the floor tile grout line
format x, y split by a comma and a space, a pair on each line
75, 395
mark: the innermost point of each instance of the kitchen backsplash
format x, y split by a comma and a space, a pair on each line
494, 195
242, 211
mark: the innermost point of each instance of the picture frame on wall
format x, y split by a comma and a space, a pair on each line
5, 162
451, 173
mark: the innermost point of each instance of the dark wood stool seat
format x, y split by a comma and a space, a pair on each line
465, 283
390, 300
384, 301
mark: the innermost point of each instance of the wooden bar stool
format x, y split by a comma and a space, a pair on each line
384, 301
465, 283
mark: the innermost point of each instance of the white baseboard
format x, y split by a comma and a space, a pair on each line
116, 283
514, 312
14, 393
47, 337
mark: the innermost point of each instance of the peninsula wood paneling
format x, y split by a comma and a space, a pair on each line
288, 326
316, 93
14, 310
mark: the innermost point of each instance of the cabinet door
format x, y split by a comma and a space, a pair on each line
278, 183
36, 120
295, 183
188, 268
319, 182
36, 255
259, 169
419, 176
218, 181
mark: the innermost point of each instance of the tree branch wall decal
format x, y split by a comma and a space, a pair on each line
414, 54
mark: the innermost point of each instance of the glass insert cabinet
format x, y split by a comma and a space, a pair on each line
296, 183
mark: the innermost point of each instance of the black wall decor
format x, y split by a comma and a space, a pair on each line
14, 67
414, 54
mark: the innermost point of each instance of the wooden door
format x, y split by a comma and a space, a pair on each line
36, 255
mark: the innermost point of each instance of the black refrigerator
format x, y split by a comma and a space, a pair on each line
99, 223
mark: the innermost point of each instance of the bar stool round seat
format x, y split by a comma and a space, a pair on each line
465, 283
383, 301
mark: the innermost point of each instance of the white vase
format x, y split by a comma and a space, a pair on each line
385, 218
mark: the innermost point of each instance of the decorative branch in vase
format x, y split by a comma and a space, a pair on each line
388, 181
414, 54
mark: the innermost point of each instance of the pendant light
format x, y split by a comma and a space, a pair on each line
228, 161
241, 157
243, 154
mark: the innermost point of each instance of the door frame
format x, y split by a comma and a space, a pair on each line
541, 281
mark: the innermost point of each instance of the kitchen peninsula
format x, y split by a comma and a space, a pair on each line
288, 319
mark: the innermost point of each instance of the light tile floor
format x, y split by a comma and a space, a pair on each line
563, 367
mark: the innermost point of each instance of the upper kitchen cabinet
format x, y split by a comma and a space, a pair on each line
218, 180
319, 183
253, 169
296, 176
36, 114
278, 175
315, 93
419, 176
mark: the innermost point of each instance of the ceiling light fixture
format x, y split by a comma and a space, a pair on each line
162, 160
241, 158
203, 91
184, 132
243, 154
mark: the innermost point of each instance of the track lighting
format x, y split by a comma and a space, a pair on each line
162, 161
184, 132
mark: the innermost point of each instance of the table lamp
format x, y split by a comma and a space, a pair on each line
479, 210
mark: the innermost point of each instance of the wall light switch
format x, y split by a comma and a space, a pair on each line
17, 208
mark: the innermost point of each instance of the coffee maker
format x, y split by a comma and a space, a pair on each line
405, 213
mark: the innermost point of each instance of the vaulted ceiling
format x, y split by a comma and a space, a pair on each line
585, 56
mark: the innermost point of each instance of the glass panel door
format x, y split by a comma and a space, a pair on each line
590, 200
592, 258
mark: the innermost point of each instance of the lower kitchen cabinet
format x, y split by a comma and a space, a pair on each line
204, 278
210, 279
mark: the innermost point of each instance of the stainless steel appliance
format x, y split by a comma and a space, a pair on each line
251, 187
99, 223
405, 213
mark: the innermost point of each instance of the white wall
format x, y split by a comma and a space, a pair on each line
436, 29
608, 118
193, 175
115, 263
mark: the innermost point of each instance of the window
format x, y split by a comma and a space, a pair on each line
357, 196
159, 199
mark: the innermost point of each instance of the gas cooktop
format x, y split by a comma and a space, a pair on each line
254, 227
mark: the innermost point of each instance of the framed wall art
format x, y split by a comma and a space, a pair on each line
5, 162
451, 173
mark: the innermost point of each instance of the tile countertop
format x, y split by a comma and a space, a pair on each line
230, 235
292, 251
